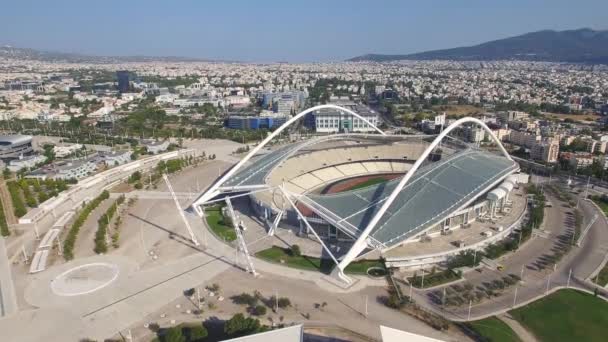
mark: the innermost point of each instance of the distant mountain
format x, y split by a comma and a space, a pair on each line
574, 46
51, 56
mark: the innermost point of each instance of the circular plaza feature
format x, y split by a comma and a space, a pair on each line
84, 279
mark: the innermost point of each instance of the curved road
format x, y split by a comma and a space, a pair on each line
581, 261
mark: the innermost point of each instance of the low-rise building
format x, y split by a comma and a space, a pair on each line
66, 150
25, 162
156, 147
115, 158
581, 160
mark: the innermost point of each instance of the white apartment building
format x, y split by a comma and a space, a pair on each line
525, 139
329, 120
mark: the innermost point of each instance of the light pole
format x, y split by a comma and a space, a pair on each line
569, 275
469, 314
515, 296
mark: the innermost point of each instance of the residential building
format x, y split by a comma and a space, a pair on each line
474, 134
523, 138
581, 160
512, 115
547, 152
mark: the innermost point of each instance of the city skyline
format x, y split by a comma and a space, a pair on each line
267, 32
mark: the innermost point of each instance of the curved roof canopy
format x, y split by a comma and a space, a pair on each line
432, 195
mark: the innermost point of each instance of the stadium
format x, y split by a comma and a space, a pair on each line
410, 199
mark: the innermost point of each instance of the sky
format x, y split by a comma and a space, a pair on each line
284, 30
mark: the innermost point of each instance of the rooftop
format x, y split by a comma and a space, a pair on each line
432, 194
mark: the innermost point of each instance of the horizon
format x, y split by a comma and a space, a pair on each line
272, 32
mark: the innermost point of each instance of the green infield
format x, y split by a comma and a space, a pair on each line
493, 329
566, 315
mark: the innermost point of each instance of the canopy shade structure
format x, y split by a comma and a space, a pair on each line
432, 194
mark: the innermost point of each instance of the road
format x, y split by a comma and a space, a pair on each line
540, 275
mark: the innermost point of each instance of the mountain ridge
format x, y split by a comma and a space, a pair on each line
574, 46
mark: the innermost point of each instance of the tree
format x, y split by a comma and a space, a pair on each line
239, 325
173, 334
195, 333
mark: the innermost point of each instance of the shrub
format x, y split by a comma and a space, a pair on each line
4, 231
284, 302
259, 310
245, 299
295, 251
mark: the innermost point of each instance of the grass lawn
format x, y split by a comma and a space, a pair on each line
276, 254
603, 205
369, 182
215, 220
493, 329
566, 315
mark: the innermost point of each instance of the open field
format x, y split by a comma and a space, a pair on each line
577, 117
458, 110
566, 315
494, 330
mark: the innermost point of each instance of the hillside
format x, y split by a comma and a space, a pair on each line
574, 46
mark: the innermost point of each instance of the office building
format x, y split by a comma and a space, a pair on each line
123, 81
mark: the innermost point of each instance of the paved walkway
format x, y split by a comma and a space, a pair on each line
519, 329
8, 300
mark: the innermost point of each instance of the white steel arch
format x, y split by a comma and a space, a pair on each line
361, 242
213, 190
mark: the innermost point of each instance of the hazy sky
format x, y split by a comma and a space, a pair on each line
285, 30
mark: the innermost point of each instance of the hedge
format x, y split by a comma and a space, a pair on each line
68, 244
3, 225
18, 204
101, 245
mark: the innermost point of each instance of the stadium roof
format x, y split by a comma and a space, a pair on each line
256, 172
433, 193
